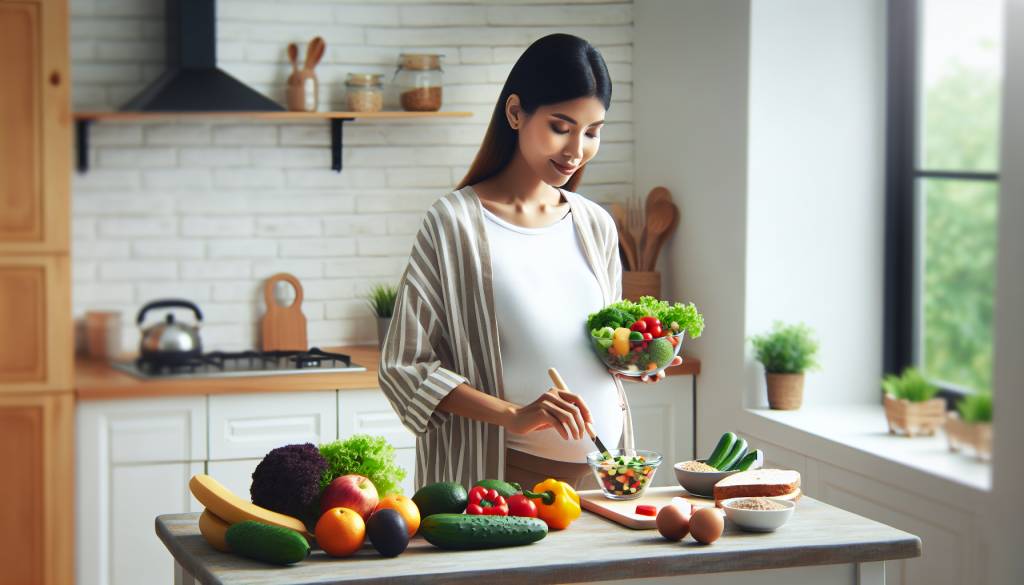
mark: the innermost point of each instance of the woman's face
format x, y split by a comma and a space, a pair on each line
558, 139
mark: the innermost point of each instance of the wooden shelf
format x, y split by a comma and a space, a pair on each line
336, 119
286, 116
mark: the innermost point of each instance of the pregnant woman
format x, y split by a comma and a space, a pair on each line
502, 275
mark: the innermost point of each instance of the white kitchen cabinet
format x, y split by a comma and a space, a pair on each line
369, 412
134, 460
246, 426
236, 475
663, 422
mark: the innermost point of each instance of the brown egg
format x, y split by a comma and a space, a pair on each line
673, 522
706, 525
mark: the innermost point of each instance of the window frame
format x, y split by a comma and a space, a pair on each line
903, 232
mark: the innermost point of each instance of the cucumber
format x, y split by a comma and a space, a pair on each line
470, 532
737, 453
721, 450
504, 488
270, 544
749, 459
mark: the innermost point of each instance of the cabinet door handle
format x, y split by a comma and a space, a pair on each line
55, 78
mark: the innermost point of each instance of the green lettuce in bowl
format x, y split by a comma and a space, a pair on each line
643, 337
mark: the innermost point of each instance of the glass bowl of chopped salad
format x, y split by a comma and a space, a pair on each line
643, 337
624, 474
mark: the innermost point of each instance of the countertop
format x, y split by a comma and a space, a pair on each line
96, 380
591, 549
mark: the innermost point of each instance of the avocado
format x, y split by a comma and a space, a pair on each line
440, 498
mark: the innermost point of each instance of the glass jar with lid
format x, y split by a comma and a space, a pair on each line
364, 92
418, 80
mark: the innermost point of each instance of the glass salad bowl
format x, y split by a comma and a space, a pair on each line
626, 474
628, 353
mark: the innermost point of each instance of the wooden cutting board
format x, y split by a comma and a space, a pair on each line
283, 328
622, 511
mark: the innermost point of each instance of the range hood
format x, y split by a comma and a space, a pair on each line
192, 82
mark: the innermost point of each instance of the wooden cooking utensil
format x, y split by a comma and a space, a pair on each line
293, 56
314, 52
646, 240
658, 193
659, 219
662, 237
283, 328
625, 239
560, 384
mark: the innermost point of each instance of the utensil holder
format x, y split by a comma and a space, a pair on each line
303, 92
636, 284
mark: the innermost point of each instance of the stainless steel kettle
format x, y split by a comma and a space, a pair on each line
170, 342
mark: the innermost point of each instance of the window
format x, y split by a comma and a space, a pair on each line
943, 103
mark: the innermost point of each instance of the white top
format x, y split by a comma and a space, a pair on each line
543, 291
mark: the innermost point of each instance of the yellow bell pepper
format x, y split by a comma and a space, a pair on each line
558, 504
620, 341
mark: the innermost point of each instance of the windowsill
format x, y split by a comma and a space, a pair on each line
859, 432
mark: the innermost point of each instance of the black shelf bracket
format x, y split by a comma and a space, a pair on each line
336, 142
82, 142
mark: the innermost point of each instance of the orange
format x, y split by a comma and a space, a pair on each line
340, 532
405, 507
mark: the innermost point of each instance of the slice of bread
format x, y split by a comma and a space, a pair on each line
757, 483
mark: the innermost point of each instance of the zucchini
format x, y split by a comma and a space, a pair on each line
504, 488
721, 450
737, 453
469, 532
749, 459
270, 544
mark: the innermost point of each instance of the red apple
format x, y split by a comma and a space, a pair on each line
350, 491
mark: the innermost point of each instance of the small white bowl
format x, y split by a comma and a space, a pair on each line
758, 520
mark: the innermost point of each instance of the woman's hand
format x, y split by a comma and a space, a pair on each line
645, 378
559, 409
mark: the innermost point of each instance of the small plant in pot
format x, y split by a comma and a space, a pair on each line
969, 428
382, 300
910, 404
787, 352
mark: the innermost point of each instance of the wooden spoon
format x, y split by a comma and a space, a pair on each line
660, 217
660, 240
312, 51
293, 56
625, 238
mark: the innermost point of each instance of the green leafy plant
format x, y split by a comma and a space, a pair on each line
382, 299
623, 313
911, 385
786, 349
976, 408
366, 455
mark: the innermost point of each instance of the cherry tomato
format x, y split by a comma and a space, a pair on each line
640, 326
648, 336
655, 331
651, 321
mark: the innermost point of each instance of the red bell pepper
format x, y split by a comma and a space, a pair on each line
485, 502
520, 505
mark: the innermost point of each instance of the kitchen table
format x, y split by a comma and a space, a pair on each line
820, 544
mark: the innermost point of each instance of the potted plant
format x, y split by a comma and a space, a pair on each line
382, 301
971, 428
787, 351
910, 404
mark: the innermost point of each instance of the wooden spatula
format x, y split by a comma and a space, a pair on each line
625, 238
560, 384
659, 219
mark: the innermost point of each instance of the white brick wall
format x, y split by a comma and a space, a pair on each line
206, 210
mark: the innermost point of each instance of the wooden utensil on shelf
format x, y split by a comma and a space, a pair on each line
659, 219
560, 384
293, 56
303, 87
653, 197
625, 238
660, 241
283, 328
635, 226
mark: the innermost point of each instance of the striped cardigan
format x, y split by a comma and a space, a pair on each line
444, 332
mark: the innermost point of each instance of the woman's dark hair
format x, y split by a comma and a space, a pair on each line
555, 68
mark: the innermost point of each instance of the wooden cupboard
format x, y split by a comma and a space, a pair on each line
36, 340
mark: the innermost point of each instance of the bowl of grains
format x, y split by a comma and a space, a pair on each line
698, 477
758, 514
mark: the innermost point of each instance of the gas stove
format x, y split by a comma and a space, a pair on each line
219, 364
